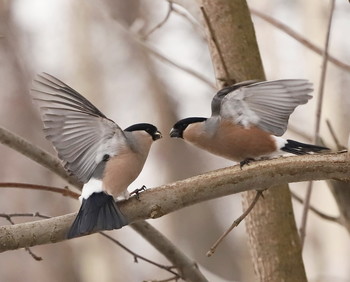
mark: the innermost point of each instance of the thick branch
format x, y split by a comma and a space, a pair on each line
171, 197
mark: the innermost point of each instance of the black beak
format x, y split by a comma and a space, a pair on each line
175, 133
157, 135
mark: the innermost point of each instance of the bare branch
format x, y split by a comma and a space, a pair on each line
153, 51
322, 215
323, 74
188, 268
35, 214
234, 224
317, 137
299, 38
171, 197
137, 256
36, 154
226, 79
302, 229
334, 136
64, 191
185, 69
159, 25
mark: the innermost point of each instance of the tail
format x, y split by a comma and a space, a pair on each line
98, 212
299, 148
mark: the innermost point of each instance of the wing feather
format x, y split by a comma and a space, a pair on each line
266, 104
80, 133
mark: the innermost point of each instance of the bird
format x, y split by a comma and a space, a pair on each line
247, 121
94, 149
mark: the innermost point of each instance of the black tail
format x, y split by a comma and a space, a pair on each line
299, 148
98, 212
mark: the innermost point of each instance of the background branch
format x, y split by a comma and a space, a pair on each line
64, 191
305, 42
36, 154
187, 267
317, 137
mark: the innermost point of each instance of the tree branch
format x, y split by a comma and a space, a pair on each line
174, 196
187, 267
301, 39
139, 257
64, 191
36, 154
317, 137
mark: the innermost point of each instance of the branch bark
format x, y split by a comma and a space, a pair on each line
162, 200
236, 58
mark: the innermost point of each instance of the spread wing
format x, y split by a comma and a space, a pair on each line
80, 133
266, 104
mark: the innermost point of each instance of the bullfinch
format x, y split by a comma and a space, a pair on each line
247, 121
95, 150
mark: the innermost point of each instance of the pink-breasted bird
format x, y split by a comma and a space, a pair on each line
94, 149
248, 119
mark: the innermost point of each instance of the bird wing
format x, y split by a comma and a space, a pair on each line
80, 133
266, 104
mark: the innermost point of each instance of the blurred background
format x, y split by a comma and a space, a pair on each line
106, 51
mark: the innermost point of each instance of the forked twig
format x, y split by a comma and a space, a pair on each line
235, 224
137, 256
159, 25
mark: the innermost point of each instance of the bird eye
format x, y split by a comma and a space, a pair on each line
105, 157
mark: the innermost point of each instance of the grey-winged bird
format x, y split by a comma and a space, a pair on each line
248, 119
94, 149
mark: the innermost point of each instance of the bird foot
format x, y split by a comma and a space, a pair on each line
245, 162
137, 192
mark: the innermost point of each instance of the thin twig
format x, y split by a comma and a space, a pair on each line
212, 35
155, 52
234, 224
299, 38
323, 74
185, 69
159, 25
35, 214
137, 256
334, 136
187, 268
175, 278
36, 154
194, 23
63, 191
322, 215
318, 121
302, 229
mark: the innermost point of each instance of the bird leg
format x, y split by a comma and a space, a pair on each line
245, 162
138, 191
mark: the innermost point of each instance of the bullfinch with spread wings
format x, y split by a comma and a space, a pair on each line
247, 121
94, 149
